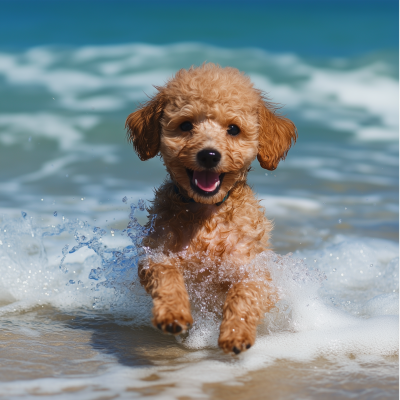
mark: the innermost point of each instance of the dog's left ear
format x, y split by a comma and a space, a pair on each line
276, 136
144, 127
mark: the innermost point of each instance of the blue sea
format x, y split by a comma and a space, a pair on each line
74, 321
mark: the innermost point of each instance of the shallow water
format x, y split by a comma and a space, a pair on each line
74, 322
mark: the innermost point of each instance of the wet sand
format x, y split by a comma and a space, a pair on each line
46, 343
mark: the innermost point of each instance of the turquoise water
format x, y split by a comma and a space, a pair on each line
70, 73
63, 139
317, 28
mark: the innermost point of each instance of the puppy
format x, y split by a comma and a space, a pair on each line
208, 124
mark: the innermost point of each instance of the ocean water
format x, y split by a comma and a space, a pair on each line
75, 322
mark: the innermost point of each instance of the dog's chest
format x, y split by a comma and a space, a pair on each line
236, 230
226, 238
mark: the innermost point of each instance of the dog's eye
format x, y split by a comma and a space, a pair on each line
186, 126
233, 130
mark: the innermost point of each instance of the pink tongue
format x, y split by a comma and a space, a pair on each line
206, 180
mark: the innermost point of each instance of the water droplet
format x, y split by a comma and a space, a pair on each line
315, 260
124, 199
41, 199
371, 265
334, 270
266, 174
55, 213
330, 255
65, 249
340, 221
95, 274
82, 198
23, 213
71, 282
141, 204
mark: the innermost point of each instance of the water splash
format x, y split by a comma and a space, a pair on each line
106, 279
96, 271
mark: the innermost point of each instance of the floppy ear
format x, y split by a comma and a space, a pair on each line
144, 128
276, 136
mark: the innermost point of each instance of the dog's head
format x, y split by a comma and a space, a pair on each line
209, 123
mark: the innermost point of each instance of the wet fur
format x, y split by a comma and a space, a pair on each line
212, 98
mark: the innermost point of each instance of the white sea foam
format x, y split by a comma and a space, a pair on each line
362, 281
281, 205
67, 131
337, 97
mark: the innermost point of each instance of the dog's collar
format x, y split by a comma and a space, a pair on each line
190, 200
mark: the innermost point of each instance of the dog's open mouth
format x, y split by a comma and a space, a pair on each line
205, 183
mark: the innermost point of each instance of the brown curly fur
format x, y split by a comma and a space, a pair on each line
211, 98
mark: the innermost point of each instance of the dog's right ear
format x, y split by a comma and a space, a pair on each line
144, 127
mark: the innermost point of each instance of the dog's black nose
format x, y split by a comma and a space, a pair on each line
208, 158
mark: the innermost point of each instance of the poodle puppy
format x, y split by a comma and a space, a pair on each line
208, 124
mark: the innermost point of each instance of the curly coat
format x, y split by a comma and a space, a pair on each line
186, 220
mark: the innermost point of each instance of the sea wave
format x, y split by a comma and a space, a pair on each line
359, 97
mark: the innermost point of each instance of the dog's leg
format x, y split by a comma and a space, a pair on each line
171, 311
244, 307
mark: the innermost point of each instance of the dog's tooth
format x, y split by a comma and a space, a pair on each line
195, 181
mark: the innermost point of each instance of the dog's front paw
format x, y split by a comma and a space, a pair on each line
236, 335
172, 319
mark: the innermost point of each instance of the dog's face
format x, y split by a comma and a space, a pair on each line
209, 133
209, 124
